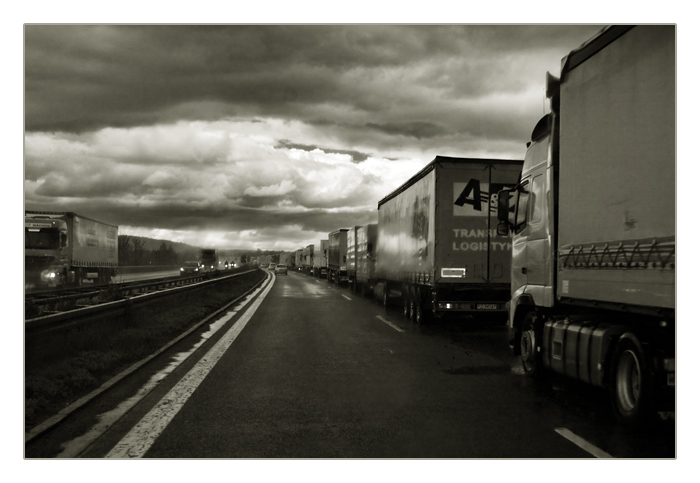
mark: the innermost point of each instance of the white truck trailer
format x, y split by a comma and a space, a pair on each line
593, 223
64, 248
321, 259
438, 251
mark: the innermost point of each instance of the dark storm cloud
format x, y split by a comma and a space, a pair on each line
257, 133
418, 130
355, 155
82, 78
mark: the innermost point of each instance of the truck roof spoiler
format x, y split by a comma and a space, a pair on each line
604, 38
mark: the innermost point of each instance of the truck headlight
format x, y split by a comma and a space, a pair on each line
48, 275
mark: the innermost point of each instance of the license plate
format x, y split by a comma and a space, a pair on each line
486, 306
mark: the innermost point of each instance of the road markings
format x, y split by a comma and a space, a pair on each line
389, 323
346, 296
582, 443
142, 436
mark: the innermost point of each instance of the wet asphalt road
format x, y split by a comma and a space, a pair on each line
320, 372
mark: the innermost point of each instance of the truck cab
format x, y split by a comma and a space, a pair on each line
527, 211
44, 241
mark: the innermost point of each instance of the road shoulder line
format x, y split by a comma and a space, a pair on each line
390, 324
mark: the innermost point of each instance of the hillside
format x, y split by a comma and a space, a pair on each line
138, 250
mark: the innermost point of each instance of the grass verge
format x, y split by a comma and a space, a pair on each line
60, 369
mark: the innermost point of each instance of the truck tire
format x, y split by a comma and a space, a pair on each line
630, 383
529, 340
421, 317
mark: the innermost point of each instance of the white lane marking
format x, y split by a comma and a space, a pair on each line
74, 447
346, 296
582, 443
142, 436
389, 323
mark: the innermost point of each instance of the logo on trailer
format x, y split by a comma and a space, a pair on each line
475, 198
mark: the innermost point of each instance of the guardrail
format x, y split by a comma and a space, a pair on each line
146, 268
136, 295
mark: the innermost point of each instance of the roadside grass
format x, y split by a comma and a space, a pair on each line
61, 368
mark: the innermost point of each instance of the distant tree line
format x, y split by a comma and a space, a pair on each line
133, 252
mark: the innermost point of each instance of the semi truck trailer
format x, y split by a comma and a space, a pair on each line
321, 259
64, 248
337, 256
307, 259
437, 247
593, 223
298, 257
362, 258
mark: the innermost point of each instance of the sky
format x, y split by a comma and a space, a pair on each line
268, 136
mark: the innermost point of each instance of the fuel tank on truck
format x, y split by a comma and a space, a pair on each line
440, 226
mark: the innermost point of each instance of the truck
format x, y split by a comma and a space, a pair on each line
307, 259
209, 258
321, 259
362, 258
593, 224
337, 256
437, 247
298, 256
64, 249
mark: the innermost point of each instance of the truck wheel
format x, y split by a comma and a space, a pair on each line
530, 357
630, 383
420, 315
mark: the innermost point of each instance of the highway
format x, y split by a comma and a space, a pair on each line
307, 369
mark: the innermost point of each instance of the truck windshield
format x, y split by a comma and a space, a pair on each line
42, 239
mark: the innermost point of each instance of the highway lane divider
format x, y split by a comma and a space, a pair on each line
139, 440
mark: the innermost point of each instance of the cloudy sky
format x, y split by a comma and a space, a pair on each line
268, 136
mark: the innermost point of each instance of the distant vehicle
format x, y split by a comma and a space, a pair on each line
272, 266
226, 265
320, 259
209, 260
190, 268
281, 269
337, 256
63, 248
307, 259
362, 259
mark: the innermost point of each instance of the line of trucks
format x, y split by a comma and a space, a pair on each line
575, 244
